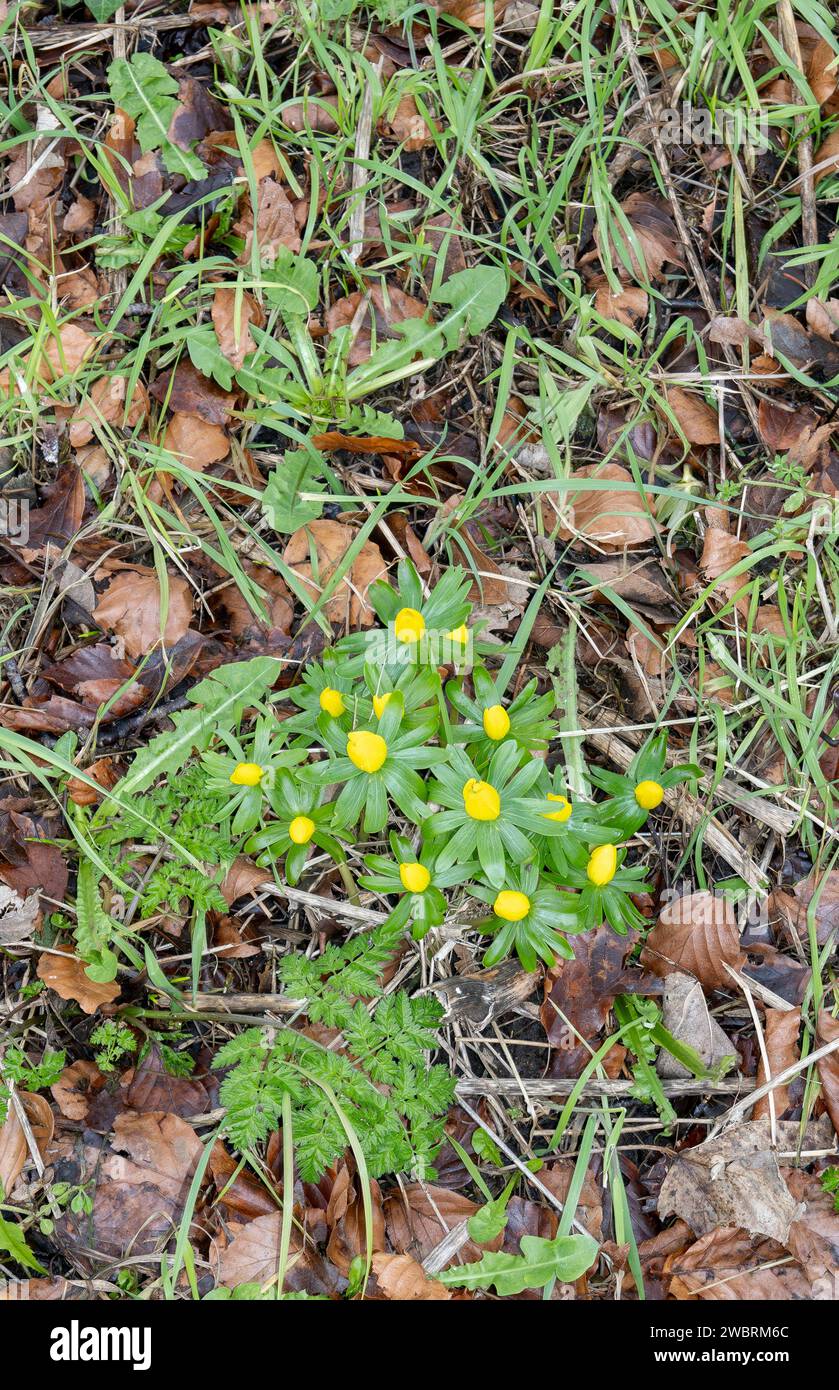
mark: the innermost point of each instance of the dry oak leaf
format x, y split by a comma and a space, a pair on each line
195, 442
348, 606
401, 1279
131, 607
106, 404
695, 933
609, 518
65, 973
14, 1150
698, 421
730, 1265
74, 1088
720, 553
232, 329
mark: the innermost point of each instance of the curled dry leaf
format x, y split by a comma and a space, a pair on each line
312, 114
698, 421
65, 973
609, 518
583, 990
106, 404
81, 215
720, 553
471, 12
732, 1180
827, 1031
19, 917
232, 328
195, 442
346, 1222
14, 1149
780, 1032
826, 158
186, 389
814, 1237
131, 607
243, 877
275, 224
348, 605
407, 126
793, 906
401, 1278
695, 933
75, 1087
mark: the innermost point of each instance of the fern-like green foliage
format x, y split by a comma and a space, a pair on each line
399, 1126
332, 983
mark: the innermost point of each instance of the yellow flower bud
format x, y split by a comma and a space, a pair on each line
602, 865
415, 877
332, 702
301, 830
649, 795
380, 703
512, 906
367, 751
408, 625
459, 635
565, 808
246, 775
481, 800
496, 722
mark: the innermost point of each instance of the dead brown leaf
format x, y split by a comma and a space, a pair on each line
275, 224
131, 606
685, 1015
74, 1088
142, 1183
656, 240
62, 971
612, 519
407, 126
729, 1264
197, 443
232, 330
378, 307
346, 1222
106, 404
827, 1031
696, 933
627, 306
699, 422
14, 1150
19, 917
780, 1030
579, 994
401, 1278
348, 607
419, 1215
253, 1257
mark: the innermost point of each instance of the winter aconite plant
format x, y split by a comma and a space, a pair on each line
399, 765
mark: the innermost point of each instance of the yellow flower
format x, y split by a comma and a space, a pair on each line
496, 722
511, 906
367, 751
459, 635
415, 877
602, 865
301, 830
649, 795
408, 625
332, 702
246, 775
481, 800
565, 808
380, 703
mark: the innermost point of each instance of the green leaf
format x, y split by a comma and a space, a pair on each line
222, 698
282, 501
145, 90
103, 10
13, 1244
208, 358
475, 296
566, 1258
291, 284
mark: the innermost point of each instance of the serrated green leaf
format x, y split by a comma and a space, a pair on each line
13, 1244
566, 1258
145, 90
283, 502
